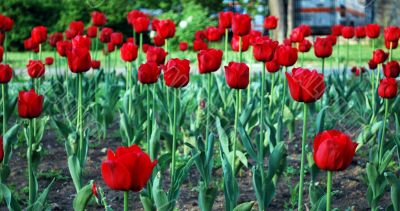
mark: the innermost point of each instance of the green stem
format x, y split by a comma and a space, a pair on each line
5, 49
272, 91
40, 51
129, 89
3, 95
235, 130
30, 165
148, 117
208, 105
302, 59
303, 153
382, 139
261, 159
96, 43
226, 47
328, 190
284, 91
140, 48
240, 49
80, 113
174, 135
126, 199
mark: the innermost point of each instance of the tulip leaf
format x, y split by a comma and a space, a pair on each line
207, 196
8, 140
222, 137
40, 203
246, 142
387, 157
231, 190
8, 197
277, 160
75, 171
395, 189
154, 141
321, 119
160, 197
246, 206
83, 197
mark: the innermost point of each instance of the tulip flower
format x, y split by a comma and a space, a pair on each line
183, 46
225, 19
391, 35
128, 169
264, 49
213, 34
76, 28
116, 38
35, 68
240, 44
270, 22
372, 65
64, 47
323, 48
333, 151
199, 45
79, 60
286, 55
92, 31
158, 41
39, 34
54, 38
132, 15
306, 30
148, 73
165, 28
141, 24
199, 35
105, 35
156, 54
391, 69
49, 60
360, 32
241, 24
305, 86
304, 47
297, 35
272, 66
379, 56
95, 64
98, 18
388, 88
7, 23
81, 41
372, 30
30, 106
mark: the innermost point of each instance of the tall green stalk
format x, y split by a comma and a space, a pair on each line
3, 95
272, 91
240, 60
80, 113
148, 117
328, 190
174, 136
5, 48
208, 105
32, 192
303, 153
126, 200
235, 130
382, 139
128, 79
391, 51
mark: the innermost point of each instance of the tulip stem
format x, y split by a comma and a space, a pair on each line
240, 61
30, 165
126, 199
226, 47
96, 43
303, 153
174, 137
261, 159
148, 117
3, 95
272, 91
129, 78
235, 130
382, 140
5, 49
328, 190
80, 116
208, 105
377, 79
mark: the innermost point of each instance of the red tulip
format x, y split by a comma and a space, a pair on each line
286, 55
110, 48
304, 46
165, 29
30, 104
141, 24
129, 52
6, 23
199, 35
176, 73
348, 32
333, 38
154, 24
105, 35
305, 85
333, 150
156, 54
372, 65
63, 47
98, 18
199, 45
70, 34
306, 29
392, 45
387, 88
92, 31
360, 32
130, 39
132, 15
237, 75
253, 35
35, 68
183, 46
213, 34
272, 66
209, 60
297, 35
145, 47
129, 168
287, 42
392, 34
5, 73
337, 30
323, 47
235, 43
373, 30
1, 149
358, 70
54, 38
391, 69
117, 38
94, 190
264, 49
81, 41
95, 64
39, 34
270, 22
79, 60
158, 41
76, 28
241, 24
225, 19
379, 56
148, 73
48, 60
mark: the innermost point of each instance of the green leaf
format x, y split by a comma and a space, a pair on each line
40, 203
223, 138
277, 159
321, 119
160, 197
75, 171
8, 197
246, 142
83, 197
246, 206
395, 189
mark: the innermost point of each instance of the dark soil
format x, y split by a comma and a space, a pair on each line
351, 190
